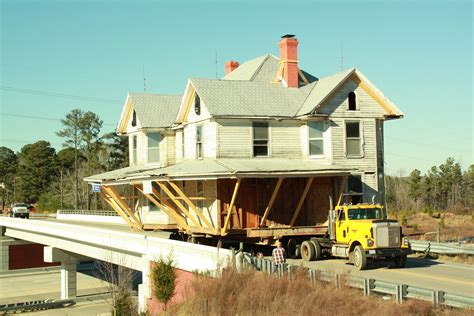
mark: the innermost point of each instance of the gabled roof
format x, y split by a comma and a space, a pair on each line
249, 98
153, 110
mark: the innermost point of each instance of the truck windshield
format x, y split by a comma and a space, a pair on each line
20, 205
365, 213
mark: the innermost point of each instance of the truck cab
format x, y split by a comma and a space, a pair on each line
20, 210
361, 232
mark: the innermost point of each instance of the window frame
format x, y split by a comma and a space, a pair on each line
322, 138
200, 194
267, 145
349, 95
360, 194
199, 143
134, 149
153, 148
197, 104
360, 138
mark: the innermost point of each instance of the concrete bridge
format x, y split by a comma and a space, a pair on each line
71, 242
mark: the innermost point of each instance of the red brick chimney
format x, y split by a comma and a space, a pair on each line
289, 59
230, 66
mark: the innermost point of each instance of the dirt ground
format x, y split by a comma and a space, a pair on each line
452, 227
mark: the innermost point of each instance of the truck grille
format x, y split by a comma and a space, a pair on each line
387, 236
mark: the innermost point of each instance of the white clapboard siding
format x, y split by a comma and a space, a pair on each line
368, 162
285, 139
209, 131
170, 139
179, 145
190, 141
337, 105
193, 117
234, 138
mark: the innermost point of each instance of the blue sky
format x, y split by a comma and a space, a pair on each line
419, 53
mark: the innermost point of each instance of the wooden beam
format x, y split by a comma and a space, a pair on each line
179, 205
341, 191
302, 198
116, 208
231, 206
272, 200
112, 192
166, 209
191, 205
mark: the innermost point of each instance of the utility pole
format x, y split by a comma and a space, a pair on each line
61, 189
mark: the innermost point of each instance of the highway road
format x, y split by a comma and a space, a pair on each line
456, 278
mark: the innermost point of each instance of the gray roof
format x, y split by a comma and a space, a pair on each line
225, 168
155, 110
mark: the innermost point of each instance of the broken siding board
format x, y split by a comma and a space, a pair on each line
285, 139
234, 139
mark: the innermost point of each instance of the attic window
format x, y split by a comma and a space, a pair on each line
352, 101
197, 105
134, 118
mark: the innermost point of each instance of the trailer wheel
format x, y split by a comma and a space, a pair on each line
298, 251
318, 254
400, 261
307, 250
291, 248
359, 258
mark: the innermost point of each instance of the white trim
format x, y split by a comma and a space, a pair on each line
361, 137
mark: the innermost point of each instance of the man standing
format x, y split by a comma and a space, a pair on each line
278, 255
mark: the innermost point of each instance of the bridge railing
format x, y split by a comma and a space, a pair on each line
90, 215
442, 248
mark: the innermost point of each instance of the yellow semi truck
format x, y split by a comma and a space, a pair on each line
359, 233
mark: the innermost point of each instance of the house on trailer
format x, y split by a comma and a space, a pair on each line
256, 154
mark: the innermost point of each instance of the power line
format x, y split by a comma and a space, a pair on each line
41, 118
58, 95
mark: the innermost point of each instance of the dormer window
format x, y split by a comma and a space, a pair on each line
197, 105
134, 118
352, 101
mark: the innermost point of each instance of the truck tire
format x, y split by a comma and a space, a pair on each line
307, 250
359, 258
291, 248
400, 261
298, 251
318, 254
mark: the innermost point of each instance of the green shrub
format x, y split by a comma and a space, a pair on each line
164, 277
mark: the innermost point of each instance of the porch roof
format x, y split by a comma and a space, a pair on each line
209, 168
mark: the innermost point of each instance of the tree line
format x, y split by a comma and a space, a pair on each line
443, 187
53, 179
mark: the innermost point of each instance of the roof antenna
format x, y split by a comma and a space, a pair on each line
215, 54
342, 56
144, 79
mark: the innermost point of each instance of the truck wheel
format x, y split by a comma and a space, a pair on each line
400, 261
307, 250
318, 254
291, 248
298, 251
359, 258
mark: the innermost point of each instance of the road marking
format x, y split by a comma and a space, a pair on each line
447, 279
456, 267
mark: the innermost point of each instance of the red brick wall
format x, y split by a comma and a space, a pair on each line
27, 256
182, 292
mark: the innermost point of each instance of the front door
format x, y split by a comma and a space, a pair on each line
342, 228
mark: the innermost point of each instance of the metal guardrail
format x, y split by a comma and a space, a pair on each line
370, 286
36, 305
441, 248
88, 212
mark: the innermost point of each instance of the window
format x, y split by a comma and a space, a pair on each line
316, 143
260, 139
353, 139
199, 141
151, 205
134, 118
352, 101
134, 149
197, 105
154, 147
354, 189
200, 194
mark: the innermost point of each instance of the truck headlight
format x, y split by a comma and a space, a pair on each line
370, 243
405, 242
